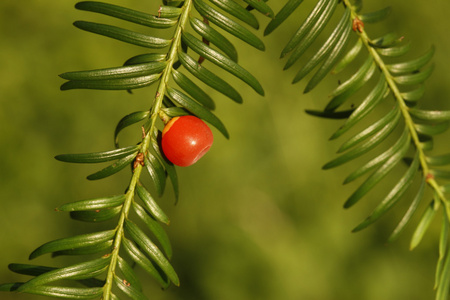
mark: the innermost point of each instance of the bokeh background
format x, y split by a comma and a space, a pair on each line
257, 217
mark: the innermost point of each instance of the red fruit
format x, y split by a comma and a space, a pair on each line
185, 140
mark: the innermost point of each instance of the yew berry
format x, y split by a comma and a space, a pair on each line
185, 140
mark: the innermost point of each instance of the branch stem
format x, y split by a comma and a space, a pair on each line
144, 147
409, 123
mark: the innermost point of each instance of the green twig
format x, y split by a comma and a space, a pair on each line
144, 147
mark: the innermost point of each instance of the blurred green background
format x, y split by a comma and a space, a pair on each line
257, 217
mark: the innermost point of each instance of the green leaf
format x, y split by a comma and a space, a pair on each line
379, 174
129, 289
330, 114
123, 35
213, 36
129, 120
380, 159
166, 11
150, 249
10, 287
440, 160
357, 5
432, 129
128, 273
375, 140
151, 205
193, 90
170, 168
222, 61
97, 157
355, 80
440, 174
176, 111
369, 103
351, 86
145, 58
329, 63
156, 171
395, 51
132, 71
414, 78
376, 16
155, 228
310, 21
430, 115
443, 285
349, 57
126, 14
93, 204
282, 15
66, 292
237, 11
112, 169
112, 84
105, 247
366, 68
443, 245
34, 270
322, 52
392, 117
228, 25
414, 95
412, 65
394, 195
426, 142
410, 212
140, 259
424, 223
74, 242
388, 40
196, 109
260, 6
96, 215
314, 32
83, 270
208, 77
114, 297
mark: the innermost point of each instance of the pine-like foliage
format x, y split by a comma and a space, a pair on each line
198, 37
405, 128
170, 64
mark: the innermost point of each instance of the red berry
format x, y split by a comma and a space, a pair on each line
185, 140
